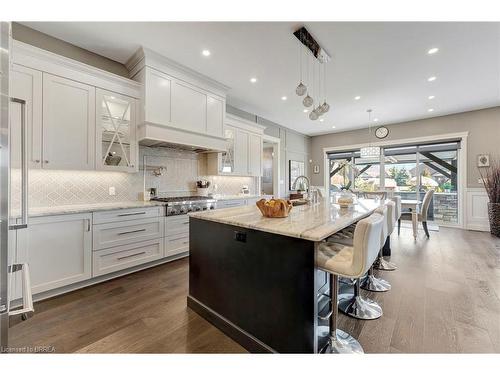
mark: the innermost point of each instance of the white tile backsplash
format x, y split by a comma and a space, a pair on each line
49, 188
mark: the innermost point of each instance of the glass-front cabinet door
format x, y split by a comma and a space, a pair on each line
116, 132
227, 158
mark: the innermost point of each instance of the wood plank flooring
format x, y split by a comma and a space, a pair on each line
444, 299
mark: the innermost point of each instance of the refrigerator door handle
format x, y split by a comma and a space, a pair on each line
27, 295
24, 167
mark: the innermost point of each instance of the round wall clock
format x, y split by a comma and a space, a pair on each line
381, 132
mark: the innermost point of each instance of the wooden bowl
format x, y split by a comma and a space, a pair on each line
274, 207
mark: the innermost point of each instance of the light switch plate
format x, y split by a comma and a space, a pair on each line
112, 190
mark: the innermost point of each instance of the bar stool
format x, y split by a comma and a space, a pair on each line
348, 261
382, 264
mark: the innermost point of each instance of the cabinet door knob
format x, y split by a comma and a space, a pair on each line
46, 161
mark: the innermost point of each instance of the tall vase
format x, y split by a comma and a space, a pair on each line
494, 215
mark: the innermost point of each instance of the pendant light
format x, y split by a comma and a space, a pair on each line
301, 88
370, 152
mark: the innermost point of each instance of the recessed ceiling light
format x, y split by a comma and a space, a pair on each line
305, 110
205, 52
431, 110
253, 80
283, 98
357, 97
333, 127
432, 51
431, 97
375, 120
430, 79
321, 119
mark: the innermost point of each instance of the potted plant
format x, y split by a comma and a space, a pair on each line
491, 180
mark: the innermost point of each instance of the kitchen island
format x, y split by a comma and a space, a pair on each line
255, 277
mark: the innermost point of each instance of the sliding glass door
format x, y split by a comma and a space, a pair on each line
406, 170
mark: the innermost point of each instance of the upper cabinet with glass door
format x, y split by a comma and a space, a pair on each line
227, 158
116, 142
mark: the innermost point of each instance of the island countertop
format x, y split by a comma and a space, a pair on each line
310, 222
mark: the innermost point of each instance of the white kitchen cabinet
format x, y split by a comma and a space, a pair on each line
215, 115
68, 124
157, 92
255, 155
58, 250
241, 153
116, 142
189, 108
26, 84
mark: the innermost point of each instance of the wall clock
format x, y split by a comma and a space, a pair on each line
381, 132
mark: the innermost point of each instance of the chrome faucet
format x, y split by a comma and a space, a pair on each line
294, 185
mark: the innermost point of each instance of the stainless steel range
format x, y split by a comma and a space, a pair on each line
183, 205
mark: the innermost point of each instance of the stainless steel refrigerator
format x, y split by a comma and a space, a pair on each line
13, 138
4, 181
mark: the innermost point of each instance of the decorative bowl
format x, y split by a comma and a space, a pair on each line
277, 208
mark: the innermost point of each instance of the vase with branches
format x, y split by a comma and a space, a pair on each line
491, 181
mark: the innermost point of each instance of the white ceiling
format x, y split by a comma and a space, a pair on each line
385, 63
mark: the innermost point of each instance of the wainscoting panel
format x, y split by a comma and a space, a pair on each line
477, 210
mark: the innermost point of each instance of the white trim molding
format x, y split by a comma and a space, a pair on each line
462, 163
45, 61
477, 210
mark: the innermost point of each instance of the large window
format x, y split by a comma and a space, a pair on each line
408, 171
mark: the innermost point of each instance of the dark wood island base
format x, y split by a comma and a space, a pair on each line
257, 287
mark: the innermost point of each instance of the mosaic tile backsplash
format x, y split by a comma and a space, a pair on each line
181, 170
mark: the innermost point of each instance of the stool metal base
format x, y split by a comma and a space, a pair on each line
384, 265
360, 307
343, 343
375, 284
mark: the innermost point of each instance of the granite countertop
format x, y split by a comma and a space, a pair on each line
309, 222
80, 208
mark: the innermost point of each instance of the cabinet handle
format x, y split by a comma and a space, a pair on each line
177, 239
24, 166
131, 255
46, 161
132, 231
132, 213
88, 224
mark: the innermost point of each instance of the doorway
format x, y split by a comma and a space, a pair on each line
270, 182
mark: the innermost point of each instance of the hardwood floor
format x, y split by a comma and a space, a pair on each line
444, 299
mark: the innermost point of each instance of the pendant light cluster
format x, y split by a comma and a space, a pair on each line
370, 151
315, 63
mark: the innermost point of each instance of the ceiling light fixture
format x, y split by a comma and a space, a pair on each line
284, 98
375, 120
205, 52
357, 97
253, 80
333, 127
432, 51
315, 86
431, 110
370, 151
430, 79
321, 119
431, 97
305, 110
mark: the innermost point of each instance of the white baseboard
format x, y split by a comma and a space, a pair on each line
476, 217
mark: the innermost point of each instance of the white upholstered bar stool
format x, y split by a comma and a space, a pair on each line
372, 282
382, 264
348, 261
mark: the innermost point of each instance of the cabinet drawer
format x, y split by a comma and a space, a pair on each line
176, 225
123, 233
176, 244
121, 257
231, 203
126, 214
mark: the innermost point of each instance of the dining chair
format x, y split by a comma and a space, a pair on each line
422, 215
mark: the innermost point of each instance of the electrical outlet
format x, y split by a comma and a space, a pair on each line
112, 190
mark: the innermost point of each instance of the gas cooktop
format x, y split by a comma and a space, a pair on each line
183, 205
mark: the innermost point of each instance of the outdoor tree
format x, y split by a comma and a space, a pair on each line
401, 176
